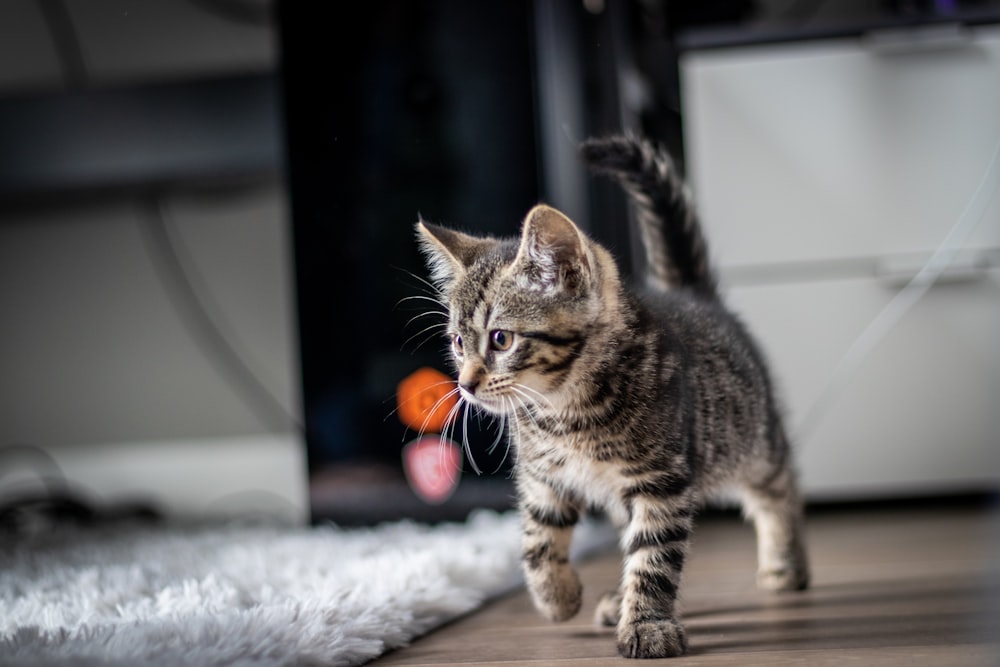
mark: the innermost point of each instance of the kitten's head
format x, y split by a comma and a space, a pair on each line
520, 311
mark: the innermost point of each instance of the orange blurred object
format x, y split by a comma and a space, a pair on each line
425, 399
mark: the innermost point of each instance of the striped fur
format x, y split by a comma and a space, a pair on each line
640, 404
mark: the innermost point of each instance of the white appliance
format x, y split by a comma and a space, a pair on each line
829, 173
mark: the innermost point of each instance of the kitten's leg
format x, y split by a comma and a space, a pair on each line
655, 544
548, 521
609, 609
775, 507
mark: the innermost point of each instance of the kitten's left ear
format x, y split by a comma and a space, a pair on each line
553, 253
449, 253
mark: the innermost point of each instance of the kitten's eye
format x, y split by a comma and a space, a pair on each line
501, 340
456, 344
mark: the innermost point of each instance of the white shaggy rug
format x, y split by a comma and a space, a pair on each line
248, 595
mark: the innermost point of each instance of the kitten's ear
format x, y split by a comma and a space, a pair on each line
449, 253
553, 253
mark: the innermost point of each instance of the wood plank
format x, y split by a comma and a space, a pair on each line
891, 587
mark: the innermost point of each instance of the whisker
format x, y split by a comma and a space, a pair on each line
508, 400
423, 426
439, 310
425, 330
427, 313
528, 407
448, 433
448, 422
430, 286
433, 298
500, 428
506, 432
424, 283
430, 412
529, 412
517, 386
452, 423
466, 443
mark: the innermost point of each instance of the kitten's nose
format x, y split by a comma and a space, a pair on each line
470, 378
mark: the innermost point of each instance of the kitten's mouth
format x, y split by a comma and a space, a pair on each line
492, 404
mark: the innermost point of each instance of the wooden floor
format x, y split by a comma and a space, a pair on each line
892, 586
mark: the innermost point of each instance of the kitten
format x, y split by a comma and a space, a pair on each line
638, 403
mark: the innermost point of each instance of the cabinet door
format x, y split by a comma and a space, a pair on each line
833, 150
922, 410
826, 174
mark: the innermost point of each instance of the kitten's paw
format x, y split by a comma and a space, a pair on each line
609, 609
790, 578
652, 639
557, 593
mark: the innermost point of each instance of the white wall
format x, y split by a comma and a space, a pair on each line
101, 367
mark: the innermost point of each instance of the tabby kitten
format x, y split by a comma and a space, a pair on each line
638, 403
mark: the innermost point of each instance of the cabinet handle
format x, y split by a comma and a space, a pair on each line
964, 267
917, 39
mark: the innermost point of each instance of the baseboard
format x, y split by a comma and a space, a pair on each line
245, 476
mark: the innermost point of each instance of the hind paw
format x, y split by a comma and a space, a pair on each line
609, 609
783, 579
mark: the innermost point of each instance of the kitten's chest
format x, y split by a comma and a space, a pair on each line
568, 463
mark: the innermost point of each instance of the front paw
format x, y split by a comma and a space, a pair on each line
556, 592
652, 639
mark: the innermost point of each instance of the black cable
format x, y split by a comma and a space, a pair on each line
69, 50
30, 512
67, 43
189, 295
260, 12
44, 465
801, 11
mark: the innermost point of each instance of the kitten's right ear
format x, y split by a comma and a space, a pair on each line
449, 253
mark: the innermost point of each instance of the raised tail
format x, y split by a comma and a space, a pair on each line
676, 253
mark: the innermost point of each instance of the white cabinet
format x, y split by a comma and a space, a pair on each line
827, 174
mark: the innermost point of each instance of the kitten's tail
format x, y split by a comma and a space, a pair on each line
676, 254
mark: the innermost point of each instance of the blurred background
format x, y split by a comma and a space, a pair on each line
206, 244
148, 346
